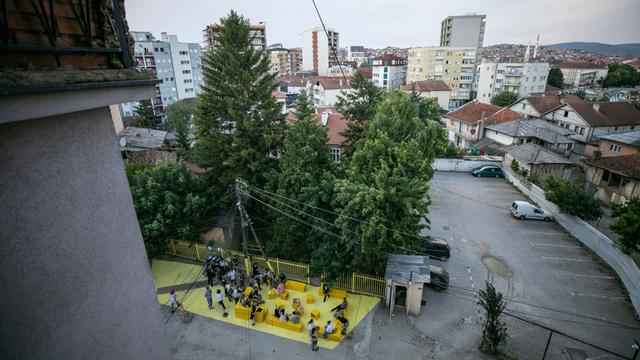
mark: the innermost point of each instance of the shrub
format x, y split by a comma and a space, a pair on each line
572, 199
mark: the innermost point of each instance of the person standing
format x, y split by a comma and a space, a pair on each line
220, 299
325, 291
252, 315
235, 294
314, 339
311, 325
208, 296
173, 302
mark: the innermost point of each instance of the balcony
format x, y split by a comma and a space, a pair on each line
513, 72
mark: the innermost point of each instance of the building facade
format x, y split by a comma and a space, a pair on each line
463, 31
434, 89
466, 124
456, 66
324, 90
283, 61
317, 49
388, 71
582, 74
258, 33
519, 78
357, 54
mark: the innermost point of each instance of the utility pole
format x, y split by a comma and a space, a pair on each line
243, 224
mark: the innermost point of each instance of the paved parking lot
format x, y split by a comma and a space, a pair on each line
546, 275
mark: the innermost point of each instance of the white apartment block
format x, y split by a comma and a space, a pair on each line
317, 49
456, 66
356, 54
463, 30
582, 74
258, 33
522, 79
388, 71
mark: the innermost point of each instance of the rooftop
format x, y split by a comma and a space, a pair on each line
135, 137
626, 165
599, 114
545, 103
428, 85
536, 155
408, 268
330, 83
537, 128
472, 112
579, 65
629, 138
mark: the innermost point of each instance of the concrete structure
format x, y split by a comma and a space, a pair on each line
317, 49
72, 259
464, 30
534, 131
466, 124
340, 71
519, 78
456, 66
540, 162
435, 89
283, 61
258, 32
139, 139
357, 54
406, 276
324, 90
582, 74
614, 179
389, 71
626, 143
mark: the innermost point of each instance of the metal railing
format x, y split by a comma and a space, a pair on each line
362, 284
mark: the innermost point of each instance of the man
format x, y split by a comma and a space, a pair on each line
232, 276
207, 295
325, 291
220, 299
173, 301
342, 306
345, 323
328, 329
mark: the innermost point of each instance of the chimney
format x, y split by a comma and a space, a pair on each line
340, 82
562, 99
324, 118
596, 107
481, 125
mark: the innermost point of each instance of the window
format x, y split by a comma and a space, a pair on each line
335, 154
524, 106
156, 49
615, 148
189, 90
186, 71
184, 53
187, 81
615, 128
184, 62
127, 113
566, 113
161, 49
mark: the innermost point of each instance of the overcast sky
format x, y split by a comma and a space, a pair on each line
402, 23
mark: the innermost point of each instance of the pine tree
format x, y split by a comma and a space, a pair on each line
146, 116
239, 127
556, 78
179, 122
495, 331
358, 106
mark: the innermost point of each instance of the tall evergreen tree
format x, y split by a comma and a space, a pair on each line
179, 122
239, 127
358, 106
146, 116
556, 78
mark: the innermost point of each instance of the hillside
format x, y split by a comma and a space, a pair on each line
600, 48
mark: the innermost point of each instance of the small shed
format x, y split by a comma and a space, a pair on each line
406, 276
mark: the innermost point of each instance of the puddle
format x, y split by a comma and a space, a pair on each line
496, 266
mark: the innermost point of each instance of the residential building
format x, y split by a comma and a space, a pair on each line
536, 131
463, 31
535, 106
317, 49
435, 89
357, 54
281, 98
540, 163
466, 124
75, 273
187, 63
614, 179
582, 74
258, 33
283, 61
456, 66
334, 122
139, 139
521, 79
388, 71
625, 143
324, 90
340, 71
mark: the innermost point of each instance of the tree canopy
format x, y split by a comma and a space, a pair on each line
627, 223
623, 75
179, 122
495, 331
504, 98
572, 199
556, 78
147, 117
580, 93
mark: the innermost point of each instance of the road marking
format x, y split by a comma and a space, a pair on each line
585, 276
542, 233
565, 259
557, 245
599, 296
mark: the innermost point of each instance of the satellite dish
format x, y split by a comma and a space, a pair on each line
123, 141
472, 131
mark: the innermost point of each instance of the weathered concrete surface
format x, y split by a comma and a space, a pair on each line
73, 270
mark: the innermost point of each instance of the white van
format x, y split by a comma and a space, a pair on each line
524, 210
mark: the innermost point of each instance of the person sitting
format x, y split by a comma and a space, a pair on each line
342, 306
328, 329
345, 323
295, 318
282, 277
284, 317
277, 312
281, 288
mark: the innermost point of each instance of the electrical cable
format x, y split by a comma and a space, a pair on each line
333, 49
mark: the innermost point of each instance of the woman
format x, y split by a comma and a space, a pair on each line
314, 339
281, 288
172, 300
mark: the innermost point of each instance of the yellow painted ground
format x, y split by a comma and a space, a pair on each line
195, 302
169, 273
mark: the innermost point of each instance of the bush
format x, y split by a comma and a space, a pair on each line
572, 199
627, 224
533, 179
524, 172
515, 166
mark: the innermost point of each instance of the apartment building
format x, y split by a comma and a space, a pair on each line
456, 66
463, 31
324, 90
258, 33
388, 71
317, 49
283, 61
582, 74
519, 78
176, 64
356, 54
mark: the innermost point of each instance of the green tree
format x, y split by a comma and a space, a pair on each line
603, 98
504, 98
306, 175
171, 203
623, 75
556, 78
365, 64
572, 199
358, 106
627, 224
179, 122
495, 331
636, 103
146, 116
580, 93
239, 127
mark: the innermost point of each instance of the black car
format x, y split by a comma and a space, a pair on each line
439, 278
436, 248
488, 171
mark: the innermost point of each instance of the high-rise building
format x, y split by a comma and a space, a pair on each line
283, 61
463, 31
520, 78
258, 33
356, 53
456, 66
175, 64
317, 49
388, 71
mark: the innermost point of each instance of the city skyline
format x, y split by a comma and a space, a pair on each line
377, 25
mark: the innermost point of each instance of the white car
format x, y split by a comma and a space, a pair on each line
524, 210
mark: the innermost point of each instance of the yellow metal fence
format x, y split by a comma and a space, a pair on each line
355, 283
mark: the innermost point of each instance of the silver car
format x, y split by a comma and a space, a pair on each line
524, 210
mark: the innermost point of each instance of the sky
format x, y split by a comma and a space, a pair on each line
401, 23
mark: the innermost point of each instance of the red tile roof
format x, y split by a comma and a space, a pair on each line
428, 85
471, 113
279, 95
336, 124
366, 71
330, 83
608, 113
545, 103
627, 165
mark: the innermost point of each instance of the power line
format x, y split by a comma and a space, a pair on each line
333, 49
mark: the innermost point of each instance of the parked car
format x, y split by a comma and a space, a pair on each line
439, 278
524, 210
488, 171
436, 248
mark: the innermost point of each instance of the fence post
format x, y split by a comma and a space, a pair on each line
277, 266
353, 282
308, 277
173, 246
197, 252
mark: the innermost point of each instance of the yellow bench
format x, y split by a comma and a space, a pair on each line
315, 314
272, 320
241, 312
334, 293
280, 303
284, 295
337, 331
271, 294
310, 299
261, 313
295, 285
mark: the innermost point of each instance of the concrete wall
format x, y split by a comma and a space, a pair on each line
75, 278
460, 165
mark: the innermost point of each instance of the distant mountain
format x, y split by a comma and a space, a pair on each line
600, 48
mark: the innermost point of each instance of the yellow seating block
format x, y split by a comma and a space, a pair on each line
271, 294
337, 331
334, 293
280, 303
284, 295
248, 291
272, 320
295, 285
241, 312
261, 313
310, 299
315, 314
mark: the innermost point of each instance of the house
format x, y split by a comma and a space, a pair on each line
614, 179
619, 144
582, 74
592, 120
465, 124
536, 131
324, 90
281, 98
535, 106
334, 122
540, 162
138, 139
406, 276
436, 89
